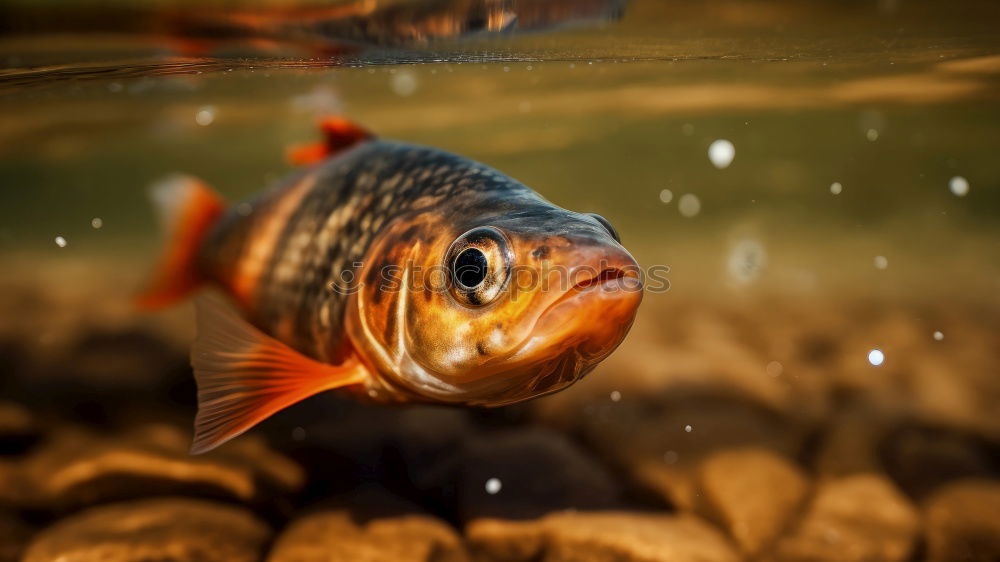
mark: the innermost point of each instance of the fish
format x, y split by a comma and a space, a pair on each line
392, 272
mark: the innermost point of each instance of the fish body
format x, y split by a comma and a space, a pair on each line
398, 273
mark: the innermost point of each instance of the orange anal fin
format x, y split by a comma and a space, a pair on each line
188, 209
245, 376
339, 134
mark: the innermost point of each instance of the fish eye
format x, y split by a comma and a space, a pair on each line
607, 226
479, 261
471, 268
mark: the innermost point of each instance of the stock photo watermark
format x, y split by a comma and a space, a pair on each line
518, 278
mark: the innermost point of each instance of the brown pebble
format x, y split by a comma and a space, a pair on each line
346, 534
752, 493
78, 468
165, 530
14, 536
539, 471
607, 536
963, 522
853, 519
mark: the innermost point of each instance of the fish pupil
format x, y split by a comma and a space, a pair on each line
471, 267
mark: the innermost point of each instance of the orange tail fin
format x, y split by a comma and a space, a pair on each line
244, 375
339, 134
188, 209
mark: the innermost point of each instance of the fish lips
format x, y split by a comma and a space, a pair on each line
588, 321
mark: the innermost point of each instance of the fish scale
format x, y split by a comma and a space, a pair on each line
361, 195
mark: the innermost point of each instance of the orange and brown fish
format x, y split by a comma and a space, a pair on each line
396, 272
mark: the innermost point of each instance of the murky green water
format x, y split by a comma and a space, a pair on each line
890, 102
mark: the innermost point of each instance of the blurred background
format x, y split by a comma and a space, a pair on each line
820, 382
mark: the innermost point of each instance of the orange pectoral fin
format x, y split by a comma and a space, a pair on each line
339, 134
244, 375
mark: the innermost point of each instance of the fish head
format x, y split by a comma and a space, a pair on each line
497, 308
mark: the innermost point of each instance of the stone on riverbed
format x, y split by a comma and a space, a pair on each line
344, 534
18, 428
680, 432
963, 522
853, 519
13, 536
77, 469
752, 493
165, 530
533, 472
599, 537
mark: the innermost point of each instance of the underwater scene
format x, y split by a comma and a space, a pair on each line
499, 280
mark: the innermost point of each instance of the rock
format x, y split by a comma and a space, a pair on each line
855, 518
18, 428
13, 537
530, 472
752, 493
16, 491
598, 537
77, 468
922, 459
850, 443
650, 441
963, 522
122, 359
166, 530
109, 373
347, 534
427, 440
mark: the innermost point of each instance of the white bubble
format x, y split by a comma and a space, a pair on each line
403, 83
774, 369
493, 485
938, 335
958, 186
670, 457
876, 357
298, 434
616, 396
689, 205
881, 262
666, 195
721, 153
96, 222
746, 260
688, 428
871, 135
61, 242
205, 116
836, 188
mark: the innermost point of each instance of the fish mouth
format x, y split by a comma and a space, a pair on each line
611, 278
595, 307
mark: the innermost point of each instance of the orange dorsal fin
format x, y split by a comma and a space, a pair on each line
188, 210
339, 134
244, 375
